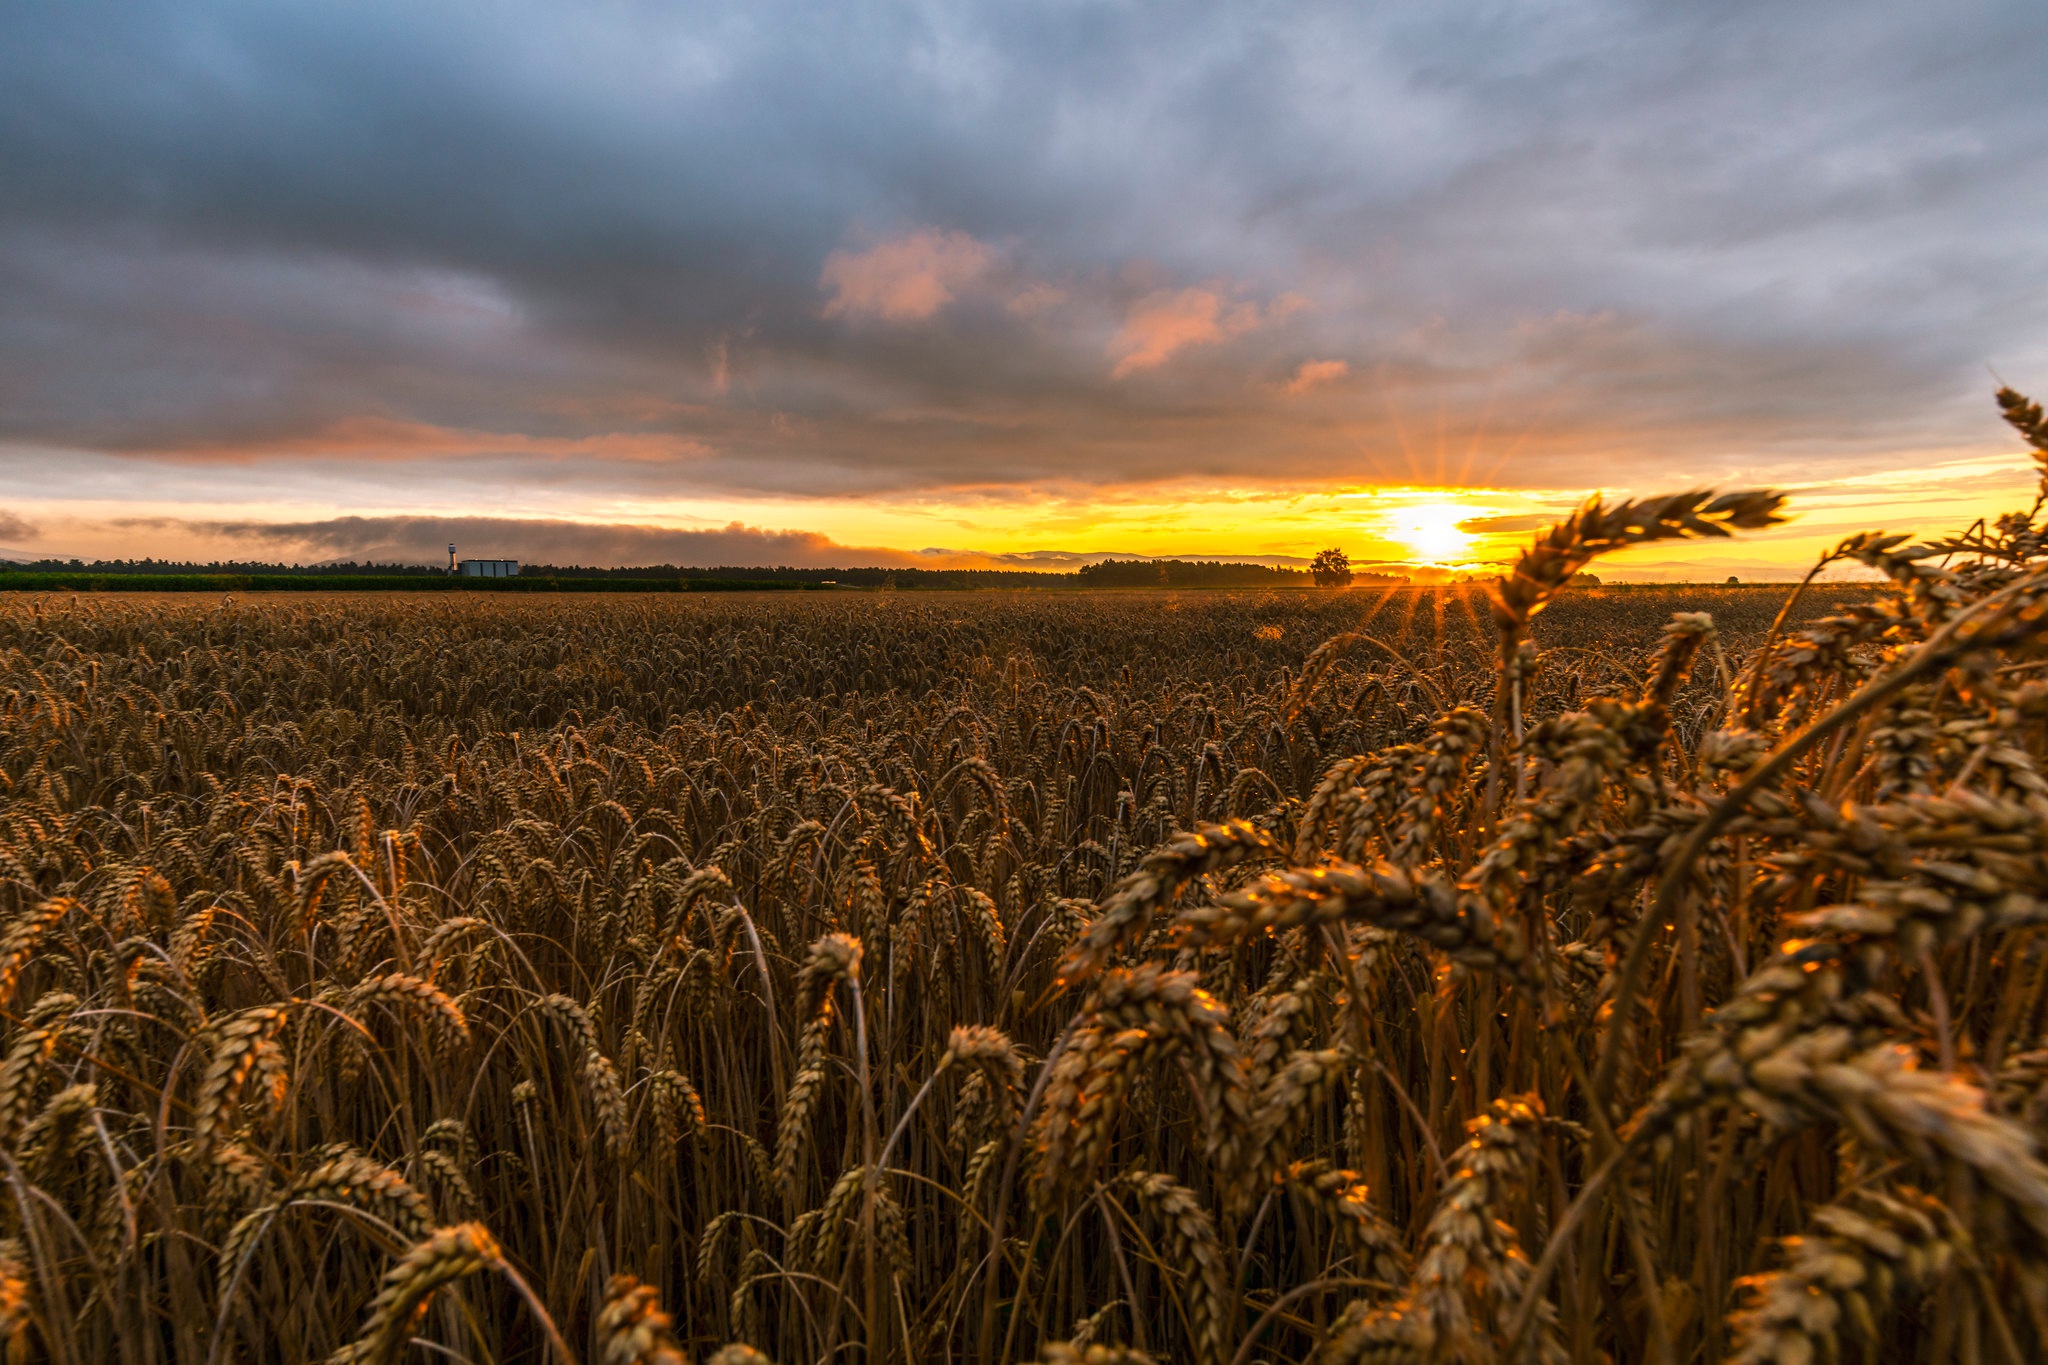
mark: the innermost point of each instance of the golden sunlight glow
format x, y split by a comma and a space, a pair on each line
1430, 531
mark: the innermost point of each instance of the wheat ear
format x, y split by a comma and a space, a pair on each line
632, 1329
444, 1256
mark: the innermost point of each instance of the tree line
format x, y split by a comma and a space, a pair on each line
1112, 573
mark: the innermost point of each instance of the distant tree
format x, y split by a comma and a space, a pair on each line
1331, 568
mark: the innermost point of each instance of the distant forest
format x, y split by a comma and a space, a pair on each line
1112, 573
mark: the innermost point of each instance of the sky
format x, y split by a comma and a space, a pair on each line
1008, 285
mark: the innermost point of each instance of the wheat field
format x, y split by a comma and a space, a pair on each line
1535, 974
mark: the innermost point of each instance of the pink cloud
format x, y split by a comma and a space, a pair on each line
1036, 299
1314, 373
1161, 323
904, 278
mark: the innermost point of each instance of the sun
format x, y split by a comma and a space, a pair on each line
1430, 531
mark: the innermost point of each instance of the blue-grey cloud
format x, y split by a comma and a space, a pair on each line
554, 540
896, 246
424, 540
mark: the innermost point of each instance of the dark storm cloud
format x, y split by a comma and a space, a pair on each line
826, 250
424, 540
537, 540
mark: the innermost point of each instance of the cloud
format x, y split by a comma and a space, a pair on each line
905, 279
562, 541
1286, 306
424, 540
1035, 299
14, 527
1316, 372
616, 251
1048, 561
1164, 322
1503, 525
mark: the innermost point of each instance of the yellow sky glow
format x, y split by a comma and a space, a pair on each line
1471, 529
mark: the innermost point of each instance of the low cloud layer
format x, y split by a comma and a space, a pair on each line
1523, 521
903, 251
424, 540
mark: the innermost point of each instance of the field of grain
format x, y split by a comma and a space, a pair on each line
1225, 978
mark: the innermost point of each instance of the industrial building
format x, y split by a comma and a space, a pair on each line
482, 568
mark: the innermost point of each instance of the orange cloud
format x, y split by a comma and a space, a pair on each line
903, 279
1316, 372
1161, 323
